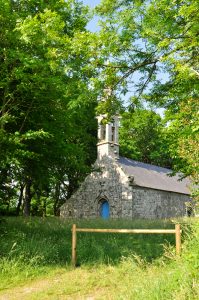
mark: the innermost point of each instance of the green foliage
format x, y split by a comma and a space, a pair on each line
143, 137
111, 265
185, 132
26, 237
152, 47
44, 82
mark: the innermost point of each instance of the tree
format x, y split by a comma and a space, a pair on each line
143, 137
184, 130
144, 37
45, 77
143, 40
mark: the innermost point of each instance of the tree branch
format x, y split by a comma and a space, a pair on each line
26, 116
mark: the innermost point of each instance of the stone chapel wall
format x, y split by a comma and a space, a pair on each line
108, 182
151, 204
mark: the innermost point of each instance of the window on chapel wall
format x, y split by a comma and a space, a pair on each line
189, 210
103, 132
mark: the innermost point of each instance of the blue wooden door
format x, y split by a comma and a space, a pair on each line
105, 211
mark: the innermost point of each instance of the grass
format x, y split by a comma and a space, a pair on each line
37, 252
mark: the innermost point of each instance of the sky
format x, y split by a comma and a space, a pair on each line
92, 26
91, 3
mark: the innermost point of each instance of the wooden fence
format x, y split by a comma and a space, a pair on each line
177, 231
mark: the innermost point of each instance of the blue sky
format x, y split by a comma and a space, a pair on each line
92, 25
91, 3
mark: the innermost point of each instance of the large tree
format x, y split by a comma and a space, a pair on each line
44, 86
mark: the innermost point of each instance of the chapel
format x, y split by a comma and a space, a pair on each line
119, 187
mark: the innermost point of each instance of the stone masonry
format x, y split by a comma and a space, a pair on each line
152, 204
109, 183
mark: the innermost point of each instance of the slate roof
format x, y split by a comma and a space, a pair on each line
154, 177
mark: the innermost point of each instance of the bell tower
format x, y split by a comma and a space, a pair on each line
108, 137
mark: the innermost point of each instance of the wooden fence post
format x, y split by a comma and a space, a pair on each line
178, 238
74, 244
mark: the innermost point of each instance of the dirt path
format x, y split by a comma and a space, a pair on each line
71, 285
27, 291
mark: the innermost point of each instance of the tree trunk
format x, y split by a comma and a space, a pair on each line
56, 201
27, 198
72, 187
44, 208
20, 200
46, 195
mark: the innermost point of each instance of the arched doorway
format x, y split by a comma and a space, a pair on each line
104, 209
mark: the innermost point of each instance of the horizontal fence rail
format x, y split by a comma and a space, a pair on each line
177, 231
126, 230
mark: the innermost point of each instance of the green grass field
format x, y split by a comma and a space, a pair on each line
35, 261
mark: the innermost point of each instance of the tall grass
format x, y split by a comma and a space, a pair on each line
48, 241
133, 264
31, 244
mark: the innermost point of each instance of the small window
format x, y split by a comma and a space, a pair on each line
189, 209
103, 132
113, 134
